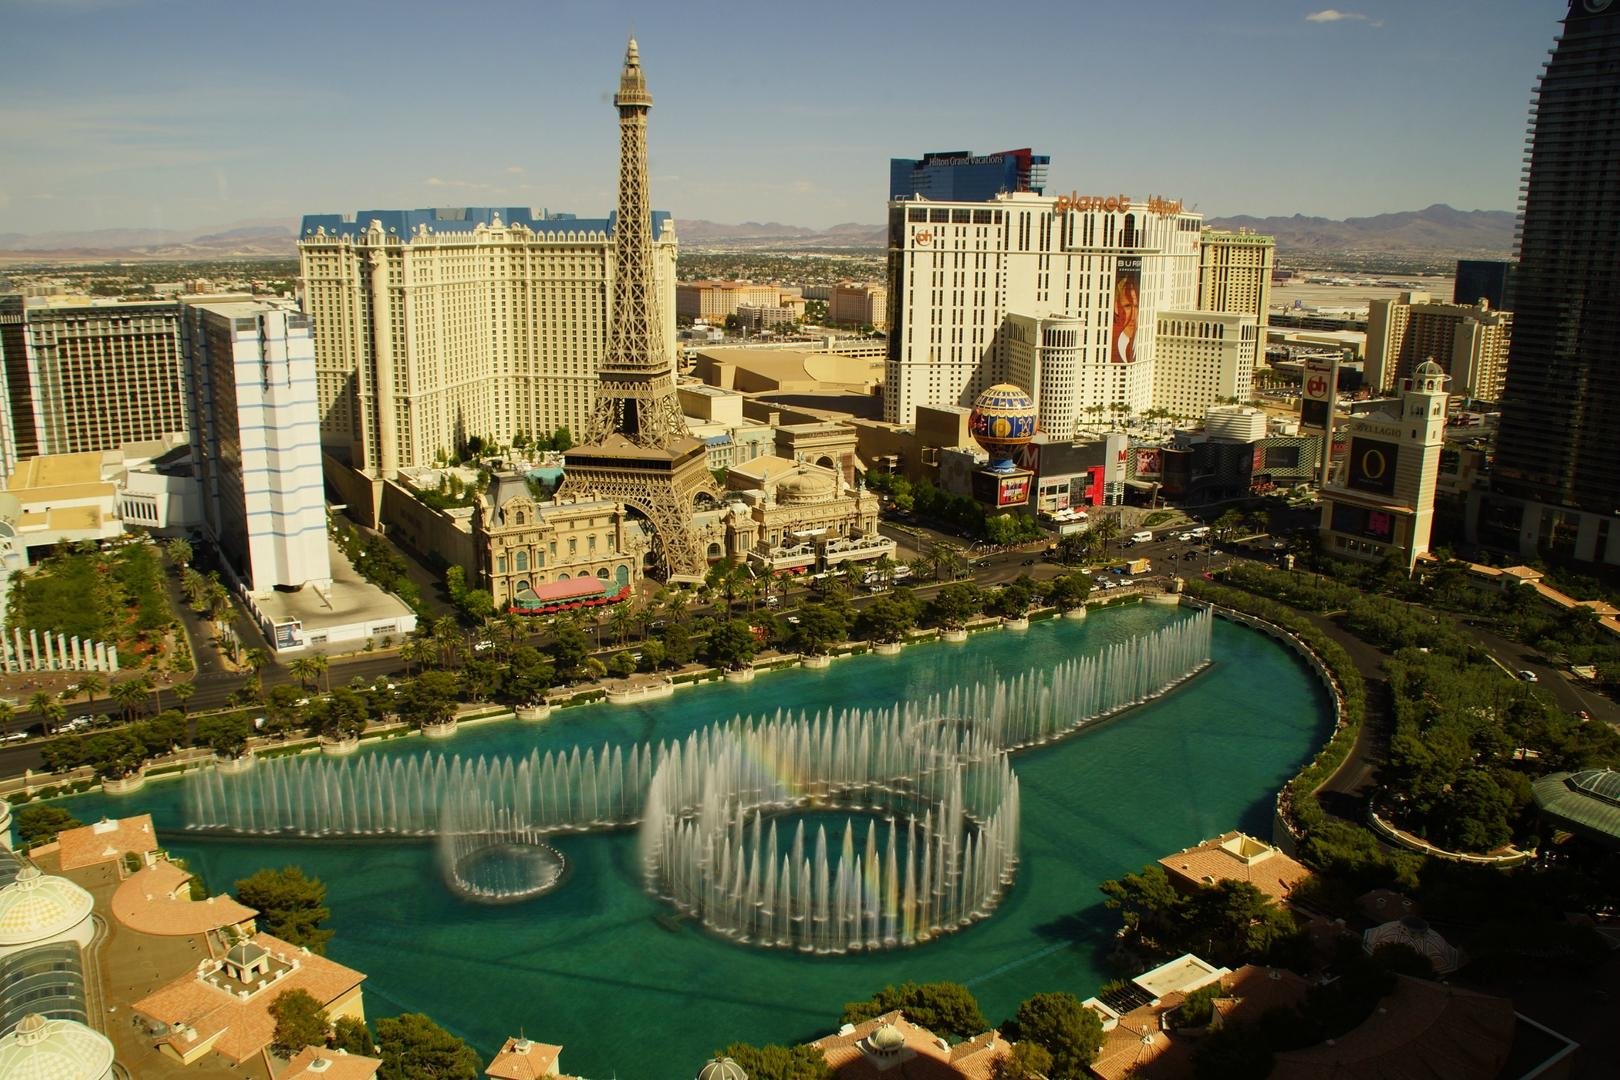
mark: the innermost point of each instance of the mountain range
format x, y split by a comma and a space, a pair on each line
1438, 230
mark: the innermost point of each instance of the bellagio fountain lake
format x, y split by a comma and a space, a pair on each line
644, 884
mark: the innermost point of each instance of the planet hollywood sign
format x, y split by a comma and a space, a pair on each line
1112, 204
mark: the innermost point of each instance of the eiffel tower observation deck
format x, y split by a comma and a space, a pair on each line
639, 451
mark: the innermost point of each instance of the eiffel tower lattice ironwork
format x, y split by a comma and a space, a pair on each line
639, 451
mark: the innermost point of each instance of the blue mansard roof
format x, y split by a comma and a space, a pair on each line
455, 219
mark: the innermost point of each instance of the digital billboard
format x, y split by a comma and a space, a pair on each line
1013, 490
1360, 521
1283, 457
1372, 465
1127, 301
1316, 394
1149, 463
289, 634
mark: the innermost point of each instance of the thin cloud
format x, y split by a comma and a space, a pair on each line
1333, 15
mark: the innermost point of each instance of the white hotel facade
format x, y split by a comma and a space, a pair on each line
257, 441
1039, 291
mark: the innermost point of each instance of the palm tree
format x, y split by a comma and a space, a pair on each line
679, 601
7, 715
514, 629
47, 707
130, 696
413, 653
622, 620
303, 669
319, 666
91, 684
179, 551
182, 693
257, 660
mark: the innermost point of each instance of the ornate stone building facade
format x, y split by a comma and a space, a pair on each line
524, 545
804, 517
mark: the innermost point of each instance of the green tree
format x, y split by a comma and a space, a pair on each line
945, 1008
225, 735
653, 655
886, 618
1064, 1028
350, 1035
954, 605
179, 551
429, 699
300, 1021
569, 647
562, 439
1028, 1061
38, 823
732, 644
678, 648
779, 1062
413, 1047
819, 627
291, 906
8, 716
621, 665
1070, 591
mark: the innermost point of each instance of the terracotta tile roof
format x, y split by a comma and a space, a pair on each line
1423, 1029
1138, 1047
1266, 868
533, 1061
106, 840
339, 1066
155, 900
1252, 991
244, 1025
923, 1056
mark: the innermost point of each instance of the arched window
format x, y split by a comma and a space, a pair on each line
522, 586
714, 551
522, 560
622, 575
500, 564
519, 520
602, 573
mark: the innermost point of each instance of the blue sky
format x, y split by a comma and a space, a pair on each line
188, 113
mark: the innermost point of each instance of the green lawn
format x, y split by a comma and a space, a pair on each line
114, 595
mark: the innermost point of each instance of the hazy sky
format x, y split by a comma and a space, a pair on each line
187, 113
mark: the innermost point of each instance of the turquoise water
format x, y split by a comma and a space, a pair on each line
589, 967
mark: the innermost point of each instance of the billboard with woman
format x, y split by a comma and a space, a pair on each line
1127, 301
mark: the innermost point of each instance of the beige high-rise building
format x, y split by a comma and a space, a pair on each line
1234, 274
433, 326
1469, 341
858, 304
80, 374
1202, 359
714, 300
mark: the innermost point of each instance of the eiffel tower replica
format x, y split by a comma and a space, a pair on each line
639, 452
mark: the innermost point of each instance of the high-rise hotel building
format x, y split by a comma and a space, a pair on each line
256, 441
433, 326
1556, 477
81, 374
1089, 303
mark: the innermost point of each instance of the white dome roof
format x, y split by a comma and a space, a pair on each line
41, 1049
36, 907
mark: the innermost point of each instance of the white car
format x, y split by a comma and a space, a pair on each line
1528, 676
